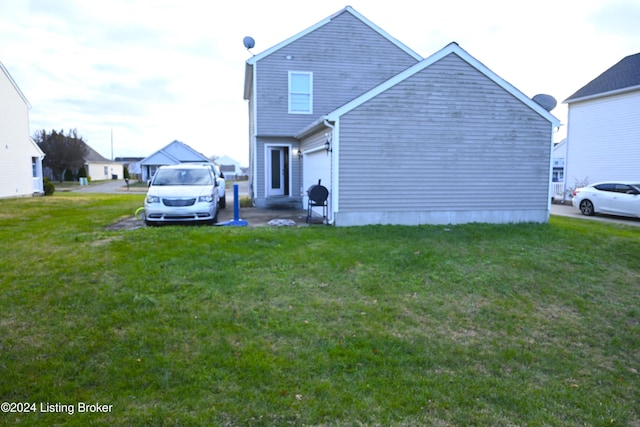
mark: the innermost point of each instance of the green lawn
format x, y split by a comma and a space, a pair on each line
497, 325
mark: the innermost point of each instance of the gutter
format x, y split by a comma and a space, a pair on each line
331, 219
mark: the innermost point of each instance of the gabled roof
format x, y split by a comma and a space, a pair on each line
167, 155
622, 77
449, 49
325, 21
6, 72
252, 61
94, 156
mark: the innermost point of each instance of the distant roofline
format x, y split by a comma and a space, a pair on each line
15, 85
602, 94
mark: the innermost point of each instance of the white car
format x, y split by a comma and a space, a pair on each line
222, 196
612, 197
182, 193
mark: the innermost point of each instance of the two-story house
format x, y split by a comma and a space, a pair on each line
345, 104
20, 156
603, 127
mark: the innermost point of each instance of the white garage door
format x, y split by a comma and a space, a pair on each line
316, 166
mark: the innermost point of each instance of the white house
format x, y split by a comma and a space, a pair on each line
229, 167
99, 168
557, 175
20, 156
603, 129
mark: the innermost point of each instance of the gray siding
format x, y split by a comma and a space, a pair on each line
347, 58
463, 142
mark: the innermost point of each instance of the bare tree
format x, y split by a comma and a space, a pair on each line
63, 152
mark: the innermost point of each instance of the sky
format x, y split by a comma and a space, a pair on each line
134, 75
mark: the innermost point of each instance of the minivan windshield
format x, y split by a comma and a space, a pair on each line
182, 177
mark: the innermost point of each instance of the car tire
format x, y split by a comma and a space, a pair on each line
586, 207
223, 202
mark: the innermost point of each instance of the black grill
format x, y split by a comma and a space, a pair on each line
318, 195
178, 202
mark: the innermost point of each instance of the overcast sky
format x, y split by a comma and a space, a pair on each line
153, 71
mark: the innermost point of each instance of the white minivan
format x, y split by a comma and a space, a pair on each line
182, 193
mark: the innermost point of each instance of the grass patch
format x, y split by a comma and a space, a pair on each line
476, 324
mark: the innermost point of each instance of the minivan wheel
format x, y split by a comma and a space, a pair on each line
586, 207
223, 202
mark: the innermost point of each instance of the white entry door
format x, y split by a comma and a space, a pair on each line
275, 171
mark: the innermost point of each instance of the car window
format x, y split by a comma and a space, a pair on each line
626, 189
606, 187
182, 177
622, 188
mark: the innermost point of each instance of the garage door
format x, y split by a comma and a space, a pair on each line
316, 166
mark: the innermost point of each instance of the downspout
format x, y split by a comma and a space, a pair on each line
331, 219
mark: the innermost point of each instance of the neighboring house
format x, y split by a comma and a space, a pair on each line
229, 167
346, 104
20, 156
557, 175
603, 127
175, 153
132, 164
100, 168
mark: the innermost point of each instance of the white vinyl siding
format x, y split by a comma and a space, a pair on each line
300, 92
602, 140
20, 158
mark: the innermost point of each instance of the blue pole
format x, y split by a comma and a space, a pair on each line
236, 204
237, 222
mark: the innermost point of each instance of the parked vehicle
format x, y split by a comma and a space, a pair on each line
613, 198
222, 195
182, 193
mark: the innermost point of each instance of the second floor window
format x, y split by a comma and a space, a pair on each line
300, 92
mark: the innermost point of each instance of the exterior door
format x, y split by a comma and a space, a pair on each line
276, 171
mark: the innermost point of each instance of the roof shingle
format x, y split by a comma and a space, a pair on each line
624, 74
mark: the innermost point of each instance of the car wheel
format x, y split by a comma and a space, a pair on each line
223, 202
586, 207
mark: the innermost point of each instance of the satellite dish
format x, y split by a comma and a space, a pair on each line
547, 102
249, 43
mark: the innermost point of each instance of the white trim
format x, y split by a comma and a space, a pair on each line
301, 73
15, 85
253, 156
335, 170
602, 94
450, 48
267, 169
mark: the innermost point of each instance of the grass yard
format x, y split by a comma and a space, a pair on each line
501, 325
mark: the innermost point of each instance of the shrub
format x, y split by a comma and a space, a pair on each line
49, 187
68, 175
82, 172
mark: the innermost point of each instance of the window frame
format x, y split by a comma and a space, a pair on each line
309, 110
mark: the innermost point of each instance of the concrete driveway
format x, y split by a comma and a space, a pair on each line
254, 217
569, 211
